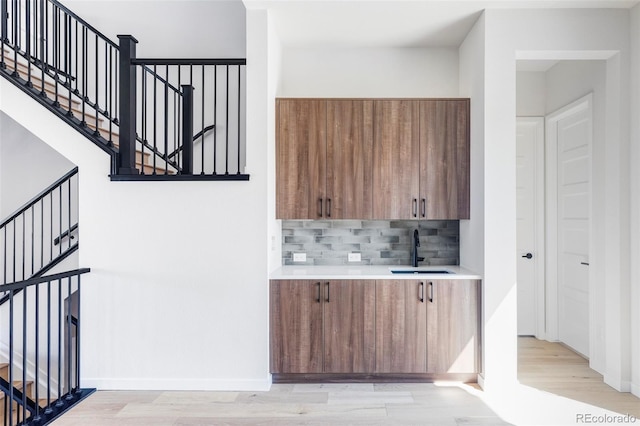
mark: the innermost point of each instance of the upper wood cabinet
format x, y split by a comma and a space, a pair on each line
396, 159
444, 159
421, 159
323, 159
349, 159
301, 135
372, 159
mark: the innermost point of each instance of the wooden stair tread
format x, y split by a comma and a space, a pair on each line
36, 80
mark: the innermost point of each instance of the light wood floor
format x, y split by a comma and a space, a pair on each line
553, 370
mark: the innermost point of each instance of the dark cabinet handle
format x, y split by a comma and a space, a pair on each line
319, 207
584, 263
430, 291
318, 299
528, 256
328, 288
421, 292
328, 207
424, 207
415, 207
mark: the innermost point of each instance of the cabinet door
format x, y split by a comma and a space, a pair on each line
295, 327
349, 159
349, 326
444, 159
395, 159
453, 325
300, 158
401, 326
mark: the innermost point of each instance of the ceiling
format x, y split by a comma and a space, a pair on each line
389, 23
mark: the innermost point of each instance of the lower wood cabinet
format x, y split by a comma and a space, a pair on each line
322, 326
401, 327
426, 328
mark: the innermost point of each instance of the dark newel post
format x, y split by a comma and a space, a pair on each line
187, 130
127, 89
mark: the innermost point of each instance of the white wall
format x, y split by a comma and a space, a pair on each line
530, 94
634, 159
551, 34
166, 29
171, 309
472, 231
28, 166
178, 293
369, 72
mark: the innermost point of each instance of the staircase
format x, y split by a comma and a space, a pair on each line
17, 414
158, 119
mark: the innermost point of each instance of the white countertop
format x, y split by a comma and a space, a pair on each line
368, 272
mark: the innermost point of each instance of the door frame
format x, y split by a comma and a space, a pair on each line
551, 198
539, 248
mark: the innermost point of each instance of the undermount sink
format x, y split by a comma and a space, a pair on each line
419, 271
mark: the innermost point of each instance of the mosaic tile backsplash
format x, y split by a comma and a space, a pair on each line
379, 242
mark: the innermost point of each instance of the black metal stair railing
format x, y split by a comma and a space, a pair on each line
142, 112
41, 326
42, 233
172, 98
64, 63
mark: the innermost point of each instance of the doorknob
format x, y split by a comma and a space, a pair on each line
528, 256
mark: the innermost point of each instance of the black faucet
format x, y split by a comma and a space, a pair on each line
414, 250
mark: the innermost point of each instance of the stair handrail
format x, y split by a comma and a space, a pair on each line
65, 391
40, 196
25, 226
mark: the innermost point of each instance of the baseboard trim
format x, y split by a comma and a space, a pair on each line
617, 384
635, 390
178, 384
373, 377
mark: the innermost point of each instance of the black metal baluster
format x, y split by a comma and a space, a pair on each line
76, 91
155, 116
68, 334
239, 100
59, 402
14, 251
110, 113
78, 318
3, 30
33, 253
24, 244
36, 416
203, 125
166, 120
69, 215
60, 218
96, 132
56, 51
11, 294
48, 410
179, 154
28, 40
42, 233
215, 118
226, 127
68, 67
43, 47
83, 94
15, 38
144, 116
24, 353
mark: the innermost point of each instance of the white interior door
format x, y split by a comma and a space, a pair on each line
529, 187
572, 130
